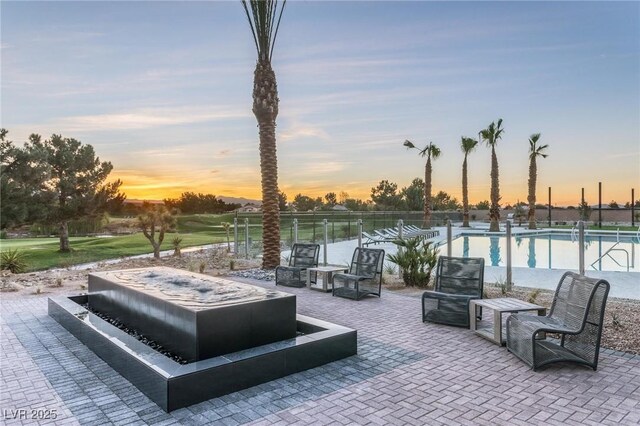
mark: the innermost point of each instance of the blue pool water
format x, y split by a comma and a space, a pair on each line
551, 251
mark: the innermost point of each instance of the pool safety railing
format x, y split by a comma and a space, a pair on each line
612, 249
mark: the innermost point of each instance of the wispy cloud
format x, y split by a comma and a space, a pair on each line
148, 118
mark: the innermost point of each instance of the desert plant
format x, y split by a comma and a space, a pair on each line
416, 258
533, 296
3, 235
535, 151
191, 266
177, 246
615, 320
227, 226
202, 266
232, 264
390, 269
156, 219
14, 261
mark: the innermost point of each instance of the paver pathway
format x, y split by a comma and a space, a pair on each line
406, 372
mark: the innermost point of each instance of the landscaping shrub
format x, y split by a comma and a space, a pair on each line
416, 257
14, 261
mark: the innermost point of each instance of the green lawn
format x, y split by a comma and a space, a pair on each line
42, 253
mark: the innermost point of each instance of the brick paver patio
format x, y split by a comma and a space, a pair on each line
406, 372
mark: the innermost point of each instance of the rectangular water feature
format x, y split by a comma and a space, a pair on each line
193, 315
172, 385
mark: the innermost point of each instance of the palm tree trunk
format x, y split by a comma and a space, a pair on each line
494, 210
532, 192
265, 108
465, 194
426, 223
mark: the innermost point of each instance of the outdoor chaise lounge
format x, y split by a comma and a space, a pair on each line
458, 281
374, 239
364, 276
303, 256
576, 314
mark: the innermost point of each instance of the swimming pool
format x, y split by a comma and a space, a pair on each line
551, 251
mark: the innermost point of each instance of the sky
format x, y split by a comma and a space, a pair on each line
163, 91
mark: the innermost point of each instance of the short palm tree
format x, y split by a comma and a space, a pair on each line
430, 151
491, 135
467, 145
264, 19
535, 151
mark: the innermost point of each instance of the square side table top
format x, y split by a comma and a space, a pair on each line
328, 269
506, 304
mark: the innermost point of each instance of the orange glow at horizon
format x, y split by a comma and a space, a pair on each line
159, 188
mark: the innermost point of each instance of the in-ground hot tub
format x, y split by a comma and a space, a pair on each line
192, 315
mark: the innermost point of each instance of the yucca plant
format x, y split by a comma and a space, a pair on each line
14, 261
177, 246
416, 258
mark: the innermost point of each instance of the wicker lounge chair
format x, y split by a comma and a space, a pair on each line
364, 276
576, 314
303, 256
458, 281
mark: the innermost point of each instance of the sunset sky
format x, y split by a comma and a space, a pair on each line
163, 91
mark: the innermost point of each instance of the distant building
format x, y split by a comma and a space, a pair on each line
249, 208
339, 208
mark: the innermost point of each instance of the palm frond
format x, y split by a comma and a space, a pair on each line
408, 144
264, 19
468, 144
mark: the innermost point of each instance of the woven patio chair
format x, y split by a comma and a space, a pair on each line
458, 281
303, 256
576, 314
364, 277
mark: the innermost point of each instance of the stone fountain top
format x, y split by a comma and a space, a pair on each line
188, 289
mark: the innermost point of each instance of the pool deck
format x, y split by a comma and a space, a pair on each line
624, 285
405, 373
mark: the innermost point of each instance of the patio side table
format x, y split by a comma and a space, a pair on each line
324, 277
496, 332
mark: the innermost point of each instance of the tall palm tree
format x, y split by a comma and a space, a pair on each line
430, 151
535, 151
264, 19
467, 145
491, 135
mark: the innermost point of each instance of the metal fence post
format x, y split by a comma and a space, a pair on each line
235, 235
509, 269
295, 230
314, 228
359, 232
326, 237
600, 205
581, 246
246, 237
633, 208
449, 239
549, 207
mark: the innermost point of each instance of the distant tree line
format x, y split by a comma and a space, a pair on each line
192, 203
384, 197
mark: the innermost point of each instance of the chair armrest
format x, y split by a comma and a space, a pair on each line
351, 277
447, 296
